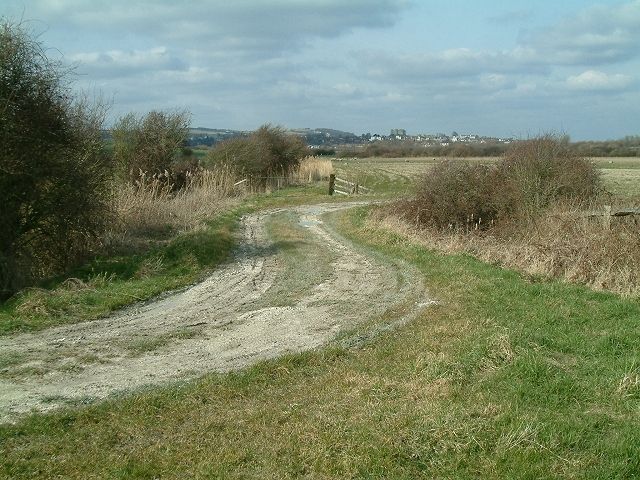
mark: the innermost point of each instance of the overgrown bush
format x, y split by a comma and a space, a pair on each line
53, 173
533, 175
546, 169
267, 152
458, 194
151, 144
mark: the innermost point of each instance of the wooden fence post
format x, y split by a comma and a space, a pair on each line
606, 220
332, 183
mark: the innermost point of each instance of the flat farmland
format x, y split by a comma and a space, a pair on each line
394, 176
621, 175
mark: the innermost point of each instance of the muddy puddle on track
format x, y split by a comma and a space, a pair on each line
278, 295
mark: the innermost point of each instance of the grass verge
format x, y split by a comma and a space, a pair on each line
506, 377
306, 263
109, 283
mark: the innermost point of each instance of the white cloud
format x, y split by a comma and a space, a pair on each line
158, 58
239, 63
494, 81
243, 27
597, 35
451, 63
345, 88
512, 16
594, 80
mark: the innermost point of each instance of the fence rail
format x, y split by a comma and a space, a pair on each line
261, 183
607, 213
345, 187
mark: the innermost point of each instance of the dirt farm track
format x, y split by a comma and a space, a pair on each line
276, 296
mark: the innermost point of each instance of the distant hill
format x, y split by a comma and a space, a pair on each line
315, 137
211, 136
326, 136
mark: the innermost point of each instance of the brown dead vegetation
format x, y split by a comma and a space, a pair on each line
149, 210
527, 212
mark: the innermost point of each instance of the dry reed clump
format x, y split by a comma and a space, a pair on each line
563, 243
585, 250
150, 209
313, 169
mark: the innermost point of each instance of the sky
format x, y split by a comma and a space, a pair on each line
510, 68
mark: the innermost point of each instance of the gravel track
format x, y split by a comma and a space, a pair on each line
211, 326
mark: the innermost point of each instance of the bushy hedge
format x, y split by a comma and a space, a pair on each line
53, 172
531, 176
267, 152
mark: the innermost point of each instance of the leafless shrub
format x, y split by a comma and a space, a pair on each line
532, 176
149, 143
458, 195
544, 170
54, 175
267, 152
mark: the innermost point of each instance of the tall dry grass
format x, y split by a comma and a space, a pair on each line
562, 243
150, 209
313, 169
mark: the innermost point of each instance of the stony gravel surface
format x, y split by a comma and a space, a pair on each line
224, 323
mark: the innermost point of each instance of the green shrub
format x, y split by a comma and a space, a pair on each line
53, 173
267, 152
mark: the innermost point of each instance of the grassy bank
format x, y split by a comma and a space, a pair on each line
108, 283
506, 377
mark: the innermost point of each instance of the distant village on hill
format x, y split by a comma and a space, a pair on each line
327, 137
